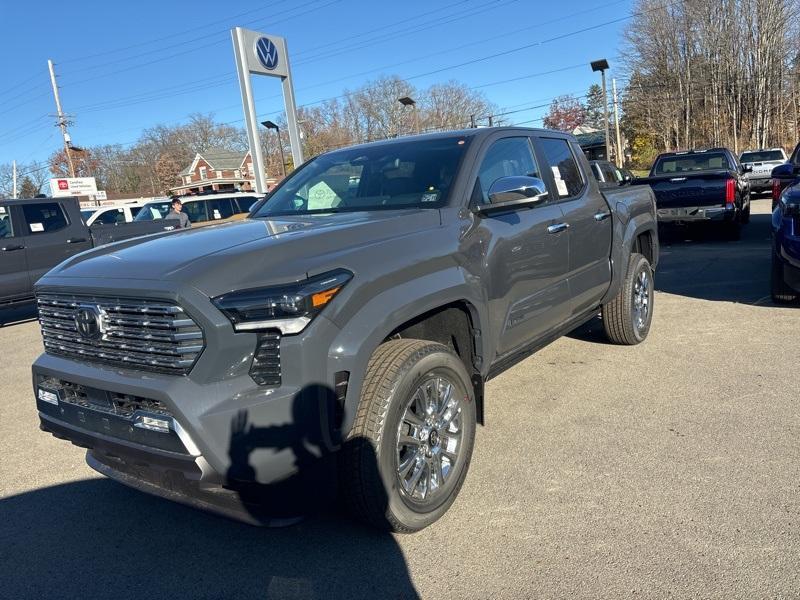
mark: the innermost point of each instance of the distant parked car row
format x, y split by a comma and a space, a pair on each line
37, 234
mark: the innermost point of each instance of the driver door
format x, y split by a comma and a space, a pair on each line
526, 252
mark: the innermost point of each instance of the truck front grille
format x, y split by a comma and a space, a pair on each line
148, 335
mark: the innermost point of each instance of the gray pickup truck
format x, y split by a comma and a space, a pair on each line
340, 337
38, 233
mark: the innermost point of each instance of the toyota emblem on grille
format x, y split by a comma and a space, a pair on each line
87, 322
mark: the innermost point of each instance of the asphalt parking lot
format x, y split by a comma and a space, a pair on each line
667, 469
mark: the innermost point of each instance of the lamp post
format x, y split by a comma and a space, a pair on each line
601, 65
271, 125
407, 101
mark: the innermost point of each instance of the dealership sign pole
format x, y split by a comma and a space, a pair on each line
261, 54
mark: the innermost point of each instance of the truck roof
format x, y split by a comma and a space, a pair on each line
42, 199
471, 133
693, 151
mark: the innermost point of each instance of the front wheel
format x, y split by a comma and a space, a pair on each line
627, 317
408, 453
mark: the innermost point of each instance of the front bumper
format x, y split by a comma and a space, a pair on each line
229, 443
690, 214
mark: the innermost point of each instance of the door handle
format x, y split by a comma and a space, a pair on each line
557, 227
12, 248
76, 240
601, 216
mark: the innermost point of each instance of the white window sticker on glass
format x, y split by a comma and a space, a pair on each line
216, 214
561, 185
2, 210
37, 227
321, 196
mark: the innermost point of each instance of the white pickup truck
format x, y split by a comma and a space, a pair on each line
762, 163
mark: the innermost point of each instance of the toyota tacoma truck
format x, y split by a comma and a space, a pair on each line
340, 337
701, 186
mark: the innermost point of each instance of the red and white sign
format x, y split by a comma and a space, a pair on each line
73, 186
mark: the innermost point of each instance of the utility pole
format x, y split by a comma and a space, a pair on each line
62, 121
14, 179
616, 122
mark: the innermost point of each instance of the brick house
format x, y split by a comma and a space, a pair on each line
216, 169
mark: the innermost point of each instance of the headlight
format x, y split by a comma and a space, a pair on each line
288, 308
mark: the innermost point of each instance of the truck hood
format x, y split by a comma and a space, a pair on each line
249, 253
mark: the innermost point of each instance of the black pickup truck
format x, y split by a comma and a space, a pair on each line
37, 234
701, 186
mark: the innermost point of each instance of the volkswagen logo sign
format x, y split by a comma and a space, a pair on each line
267, 53
87, 322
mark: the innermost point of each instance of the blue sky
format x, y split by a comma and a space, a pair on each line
126, 66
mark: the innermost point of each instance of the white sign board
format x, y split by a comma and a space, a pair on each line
73, 186
100, 195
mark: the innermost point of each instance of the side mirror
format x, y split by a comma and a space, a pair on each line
785, 171
509, 192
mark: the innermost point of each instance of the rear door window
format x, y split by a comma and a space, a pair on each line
196, 211
609, 173
242, 204
6, 226
44, 217
111, 217
561, 161
220, 208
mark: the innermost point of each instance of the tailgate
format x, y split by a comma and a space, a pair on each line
689, 190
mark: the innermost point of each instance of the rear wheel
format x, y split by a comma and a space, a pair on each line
409, 451
781, 292
627, 318
746, 215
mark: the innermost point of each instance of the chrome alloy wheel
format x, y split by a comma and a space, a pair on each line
641, 299
429, 438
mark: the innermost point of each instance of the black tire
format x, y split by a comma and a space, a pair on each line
620, 318
369, 469
746, 215
781, 292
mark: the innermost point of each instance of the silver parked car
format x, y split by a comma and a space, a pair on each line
762, 161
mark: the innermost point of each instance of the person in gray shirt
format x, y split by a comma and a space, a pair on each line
177, 213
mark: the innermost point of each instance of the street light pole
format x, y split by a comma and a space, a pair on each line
601, 65
616, 122
271, 125
407, 101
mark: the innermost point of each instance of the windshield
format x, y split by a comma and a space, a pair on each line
153, 210
687, 163
411, 174
761, 156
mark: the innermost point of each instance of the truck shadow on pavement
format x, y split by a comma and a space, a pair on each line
697, 263
98, 539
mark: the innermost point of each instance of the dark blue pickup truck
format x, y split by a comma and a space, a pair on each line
701, 186
786, 230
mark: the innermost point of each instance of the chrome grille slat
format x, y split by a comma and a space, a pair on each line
150, 335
